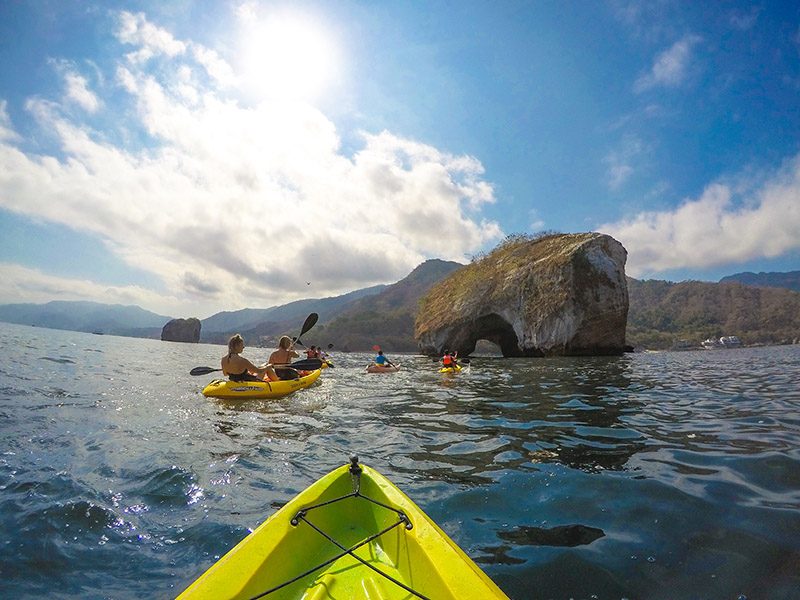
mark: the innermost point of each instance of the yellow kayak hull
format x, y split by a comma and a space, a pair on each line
255, 390
421, 558
450, 369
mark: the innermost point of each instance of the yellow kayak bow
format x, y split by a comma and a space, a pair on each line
353, 534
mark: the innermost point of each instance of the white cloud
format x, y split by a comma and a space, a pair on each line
21, 284
239, 205
136, 30
78, 92
618, 172
721, 227
619, 161
744, 21
670, 67
7, 133
536, 222
214, 65
247, 12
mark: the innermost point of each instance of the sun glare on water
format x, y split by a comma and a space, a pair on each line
288, 56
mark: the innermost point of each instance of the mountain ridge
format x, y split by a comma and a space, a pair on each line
789, 279
90, 317
662, 314
387, 319
257, 324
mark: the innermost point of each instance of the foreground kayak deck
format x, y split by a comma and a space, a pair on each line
372, 527
254, 390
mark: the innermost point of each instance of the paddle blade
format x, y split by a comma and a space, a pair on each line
330, 346
307, 364
311, 320
202, 371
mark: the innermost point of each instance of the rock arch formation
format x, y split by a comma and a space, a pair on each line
562, 294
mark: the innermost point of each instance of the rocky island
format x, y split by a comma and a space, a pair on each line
558, 294
182, 330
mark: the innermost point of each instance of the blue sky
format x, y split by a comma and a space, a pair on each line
192, 157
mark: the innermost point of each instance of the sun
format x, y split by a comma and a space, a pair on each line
288, 56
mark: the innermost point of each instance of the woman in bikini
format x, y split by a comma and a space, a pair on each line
238, 368
285, 352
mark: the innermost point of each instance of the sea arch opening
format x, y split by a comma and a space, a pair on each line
496, 330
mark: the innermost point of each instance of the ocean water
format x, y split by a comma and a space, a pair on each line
659, 476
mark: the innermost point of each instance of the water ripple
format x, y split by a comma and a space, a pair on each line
671, 475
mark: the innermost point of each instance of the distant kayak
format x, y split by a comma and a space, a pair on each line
255, 390
373, 368
352, 535
455, 369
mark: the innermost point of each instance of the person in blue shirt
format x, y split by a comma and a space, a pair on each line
382, 360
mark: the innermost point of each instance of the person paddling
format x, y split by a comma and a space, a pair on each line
283, 356
449, 360
238, 368
382, 361
285, 352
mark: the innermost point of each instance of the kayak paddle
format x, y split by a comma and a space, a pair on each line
203, 370
307, 364
311, 320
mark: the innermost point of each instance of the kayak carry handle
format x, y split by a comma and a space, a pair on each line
355, 474
355, 468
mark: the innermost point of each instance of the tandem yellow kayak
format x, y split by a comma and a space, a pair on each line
353, 535
254, 390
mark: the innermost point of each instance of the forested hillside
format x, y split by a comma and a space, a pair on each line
263, 327
663, 314
386, 319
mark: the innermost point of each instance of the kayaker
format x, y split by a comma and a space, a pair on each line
381, 360
313, 352
285, 352
238, 368
449, 360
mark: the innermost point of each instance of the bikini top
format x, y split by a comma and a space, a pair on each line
243, 376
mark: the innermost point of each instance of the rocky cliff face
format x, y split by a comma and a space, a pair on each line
563, 294
181, 330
